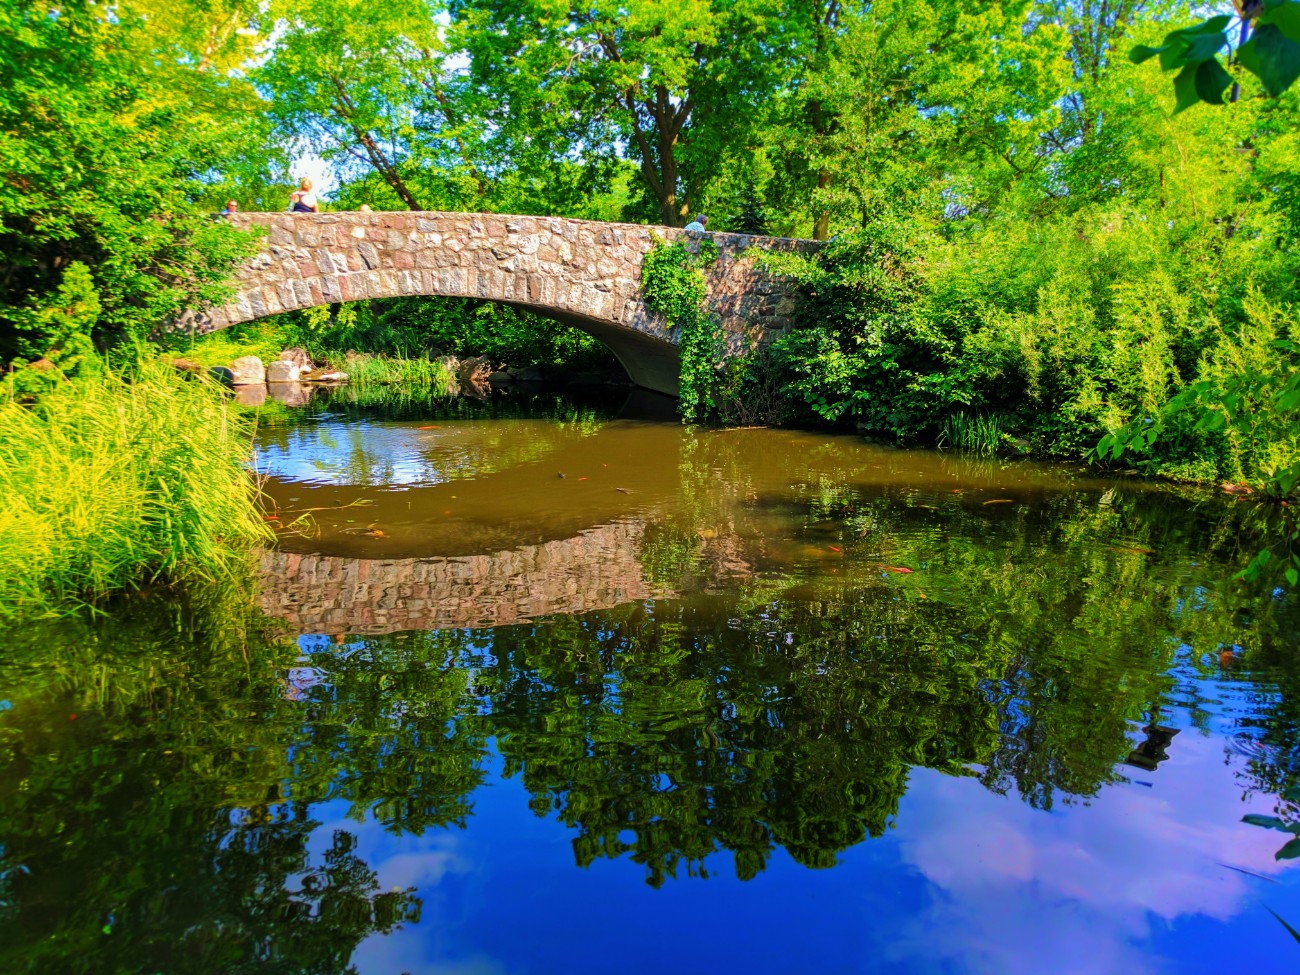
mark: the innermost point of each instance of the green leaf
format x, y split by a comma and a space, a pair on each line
1285, 17
1290, 851
1212, 81
1212, 420
1292, 794
1191, 45
1288, 400
1272, 57
1292, 576
1268, 822
1185, 93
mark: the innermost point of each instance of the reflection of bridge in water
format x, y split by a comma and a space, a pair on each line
596, 569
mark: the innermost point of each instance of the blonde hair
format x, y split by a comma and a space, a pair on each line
304, 183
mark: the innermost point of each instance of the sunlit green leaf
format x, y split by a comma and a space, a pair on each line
1272, 57
1284, 16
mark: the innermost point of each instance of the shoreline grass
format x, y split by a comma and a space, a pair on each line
119, 480
369, 369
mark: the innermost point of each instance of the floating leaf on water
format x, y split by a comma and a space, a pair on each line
432, 427
623, 490
1000, 501
836, 548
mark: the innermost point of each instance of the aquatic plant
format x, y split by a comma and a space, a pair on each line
119, 479
976, 433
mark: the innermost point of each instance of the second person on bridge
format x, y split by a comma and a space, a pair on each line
303, 199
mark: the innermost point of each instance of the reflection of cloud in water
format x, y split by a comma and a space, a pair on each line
396, 456
404, 861
1023, 891
400, 862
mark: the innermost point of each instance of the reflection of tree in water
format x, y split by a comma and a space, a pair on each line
781, 709
680, 730
1265, 739
150, 820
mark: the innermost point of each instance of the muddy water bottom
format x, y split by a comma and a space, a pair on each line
541, 685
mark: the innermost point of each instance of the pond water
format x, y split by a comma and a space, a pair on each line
544, 686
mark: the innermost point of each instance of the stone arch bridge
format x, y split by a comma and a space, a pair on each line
580, 272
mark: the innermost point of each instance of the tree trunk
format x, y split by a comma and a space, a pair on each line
822, 217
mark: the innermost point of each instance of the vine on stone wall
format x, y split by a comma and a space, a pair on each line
672, 280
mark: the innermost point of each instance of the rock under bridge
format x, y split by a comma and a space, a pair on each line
580, 272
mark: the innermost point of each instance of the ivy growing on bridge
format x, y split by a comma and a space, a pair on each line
672, 280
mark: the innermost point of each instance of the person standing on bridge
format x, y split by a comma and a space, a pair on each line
303, 199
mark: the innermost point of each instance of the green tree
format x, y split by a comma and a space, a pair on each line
345, 79
117, 132
677, 85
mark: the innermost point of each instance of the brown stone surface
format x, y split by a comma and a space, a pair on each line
581, 272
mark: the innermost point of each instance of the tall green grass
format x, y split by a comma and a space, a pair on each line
372, 370
974, 433
113, 481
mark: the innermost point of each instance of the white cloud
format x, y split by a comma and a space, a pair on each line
1023, 891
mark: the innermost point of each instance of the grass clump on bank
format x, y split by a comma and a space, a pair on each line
114, 481
364, 369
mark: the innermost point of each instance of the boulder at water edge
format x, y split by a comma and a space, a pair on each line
298, 357
281, 371
247, 371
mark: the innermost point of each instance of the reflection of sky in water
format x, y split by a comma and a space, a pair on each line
1137, 881
397, 456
